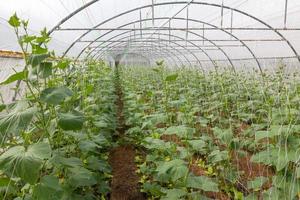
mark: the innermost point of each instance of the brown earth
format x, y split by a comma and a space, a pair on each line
125, 181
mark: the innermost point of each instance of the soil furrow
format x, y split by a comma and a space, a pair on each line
125, 181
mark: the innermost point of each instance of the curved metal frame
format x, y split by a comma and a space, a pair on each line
159, 18
173, 43
171, 56
170, 3
159, 50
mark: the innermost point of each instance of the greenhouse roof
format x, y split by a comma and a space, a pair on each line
189, 32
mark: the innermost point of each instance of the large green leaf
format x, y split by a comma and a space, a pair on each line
257, 183
15, 77
171, 77
55, 95
36, 59
203, 183
49, 188
175, 168
88, 146
26, 164
71, 121
14, 21
275, 130
81, 177
45, 69
174, 194
17, 119
278, 157
96, 164
218, 156
180, 131
197, 145
7, 186
40, 150
224, 135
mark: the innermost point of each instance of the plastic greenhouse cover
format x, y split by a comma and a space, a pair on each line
45, 13
8, 67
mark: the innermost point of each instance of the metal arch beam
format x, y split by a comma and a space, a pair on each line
168, 51
159, 18
170, 3
171, 55
173, 42
168, 56
173, 48
135, 54
169, 60
71, 15
198, 21
158, 49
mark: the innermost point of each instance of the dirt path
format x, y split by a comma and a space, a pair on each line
125, 181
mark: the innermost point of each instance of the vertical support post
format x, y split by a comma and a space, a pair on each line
285, 13
141, 26
153, 13
222, 13
231, 23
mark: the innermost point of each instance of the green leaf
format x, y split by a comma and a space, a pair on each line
72, 162
71, 121
15, 77
152, 188
80, 177
275, 130
37, 59
96, 164
48, 189
171, 77
181, 131
88, 146
7, 186
63, 64
174, 194
257, 183
277, 157
14, 21
175, 168
2, 107
17, 119
218, 156
40, 150
56, 95
224, 135
16, 161
45, 69
266, 157
202, 182
27, 38
197, 145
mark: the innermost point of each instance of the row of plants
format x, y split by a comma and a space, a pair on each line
214, 136
55, 140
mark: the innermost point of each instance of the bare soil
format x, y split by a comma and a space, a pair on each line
125, 181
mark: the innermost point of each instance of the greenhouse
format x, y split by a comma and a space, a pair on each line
150, 99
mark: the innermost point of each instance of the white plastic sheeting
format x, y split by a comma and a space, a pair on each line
9, 66
45, 13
